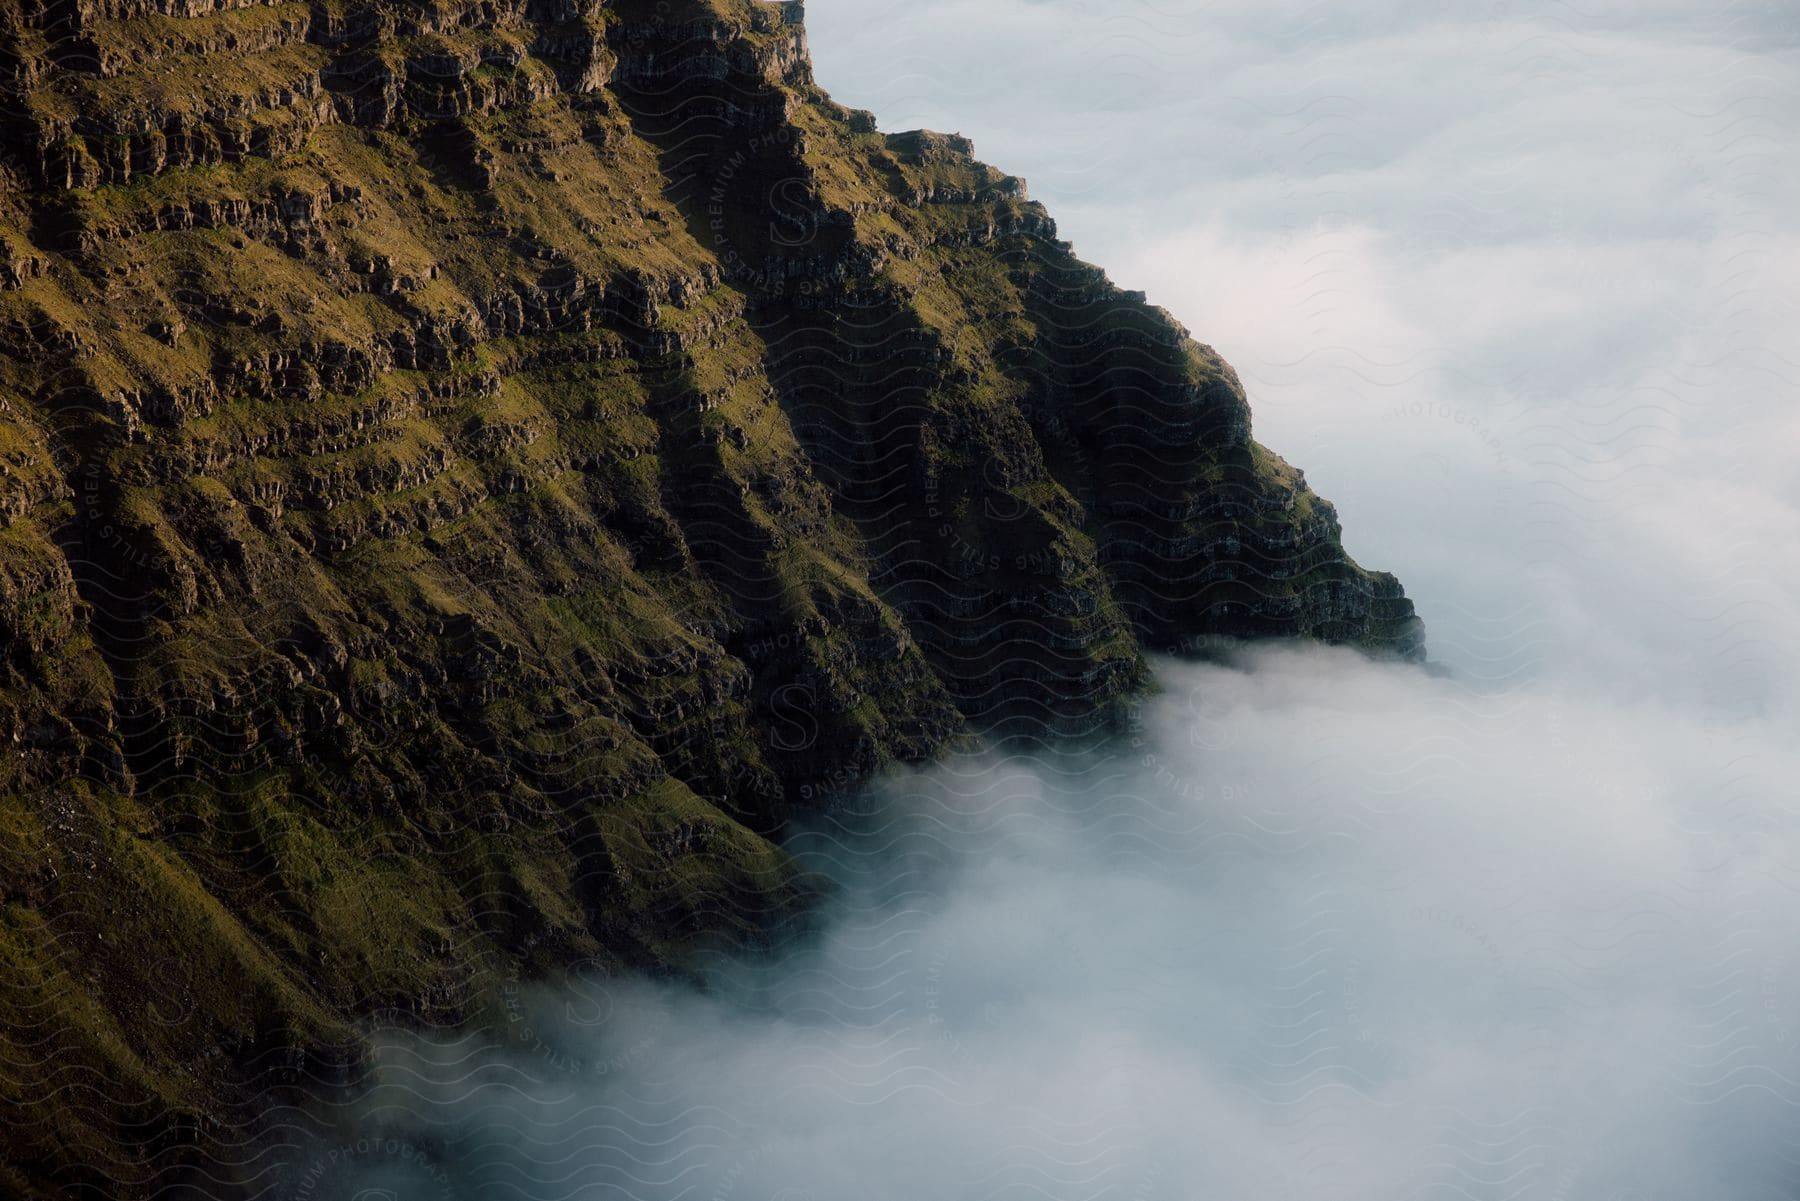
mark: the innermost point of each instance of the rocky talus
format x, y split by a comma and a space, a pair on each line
471, 472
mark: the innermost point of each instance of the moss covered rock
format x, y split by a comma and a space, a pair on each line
470, 473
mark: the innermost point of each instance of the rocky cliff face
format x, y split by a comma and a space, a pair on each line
470, 471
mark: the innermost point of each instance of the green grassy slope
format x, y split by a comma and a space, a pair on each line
469, 473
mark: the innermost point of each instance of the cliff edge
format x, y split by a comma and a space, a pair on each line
470, 472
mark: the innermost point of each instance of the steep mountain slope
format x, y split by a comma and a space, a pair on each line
470, 472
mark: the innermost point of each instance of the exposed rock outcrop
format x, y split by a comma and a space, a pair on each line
470, 473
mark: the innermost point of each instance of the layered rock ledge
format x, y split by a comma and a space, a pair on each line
471, 472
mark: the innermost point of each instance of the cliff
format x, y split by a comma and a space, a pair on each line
471, 471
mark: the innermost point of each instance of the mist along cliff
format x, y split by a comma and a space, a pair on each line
470, 471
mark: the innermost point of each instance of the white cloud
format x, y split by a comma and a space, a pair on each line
1331, 928
1516, 286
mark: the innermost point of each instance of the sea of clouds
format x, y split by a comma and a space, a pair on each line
1325, 928
1516, 284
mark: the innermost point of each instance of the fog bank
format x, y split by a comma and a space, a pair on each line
1516, 285
1329, 928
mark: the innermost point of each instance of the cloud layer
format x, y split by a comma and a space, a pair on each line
1517, 287
1327, 928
